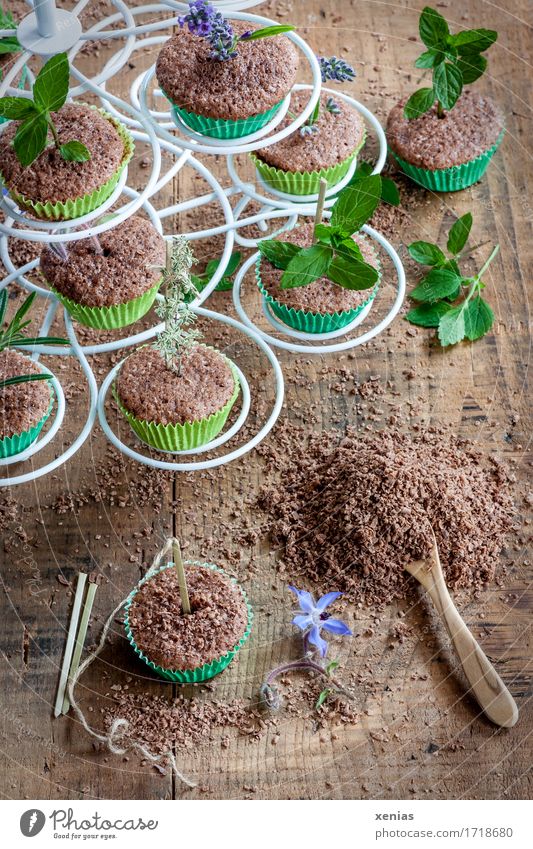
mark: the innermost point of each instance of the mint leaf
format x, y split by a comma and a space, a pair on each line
308, 265
348, 248
356, 204
429, 59
389, 191
459, 233
16, 108
50, 89
74, 151
266, 32
447, 84
428, 315
323, 233
433, 28
473, 40
419, 103
478, 318
278, 253
322, 698
452, 326
30, 139
351, 273
426, 253
472, 67
439, 283
9, 45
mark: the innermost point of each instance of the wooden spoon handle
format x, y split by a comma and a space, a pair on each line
490, 691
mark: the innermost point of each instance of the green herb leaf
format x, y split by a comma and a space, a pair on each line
278, 253
16, 108
356, 204
22, 310
426, 253
473, 40
447, 84
9, 45
348, 248
308, 265
322, 698
50, 89
429, 59
323, 234
351, 273
439, 283
30, 139
428, 315
478, 318
332, 666
472, 67
23, 378
3, 307
389, 191
433, 28
266, 32
452, 326
74, 151
419, 103
42, 340
459, 233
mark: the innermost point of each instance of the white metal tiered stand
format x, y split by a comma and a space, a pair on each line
48, 30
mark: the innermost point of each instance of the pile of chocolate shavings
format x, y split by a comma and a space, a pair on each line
347, 516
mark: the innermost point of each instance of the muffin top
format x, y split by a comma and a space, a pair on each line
336, 139
259, 76
468, 130
174, 640
154, 393
322, 296
50, 177
131, 262
23, 405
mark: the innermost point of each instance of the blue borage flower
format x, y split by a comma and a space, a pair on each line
314, 618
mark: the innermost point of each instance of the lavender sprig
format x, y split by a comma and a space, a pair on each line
331, 69
205, 21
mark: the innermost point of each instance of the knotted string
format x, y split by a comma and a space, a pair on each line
119, 726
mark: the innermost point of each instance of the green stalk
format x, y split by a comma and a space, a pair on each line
54, 131
475, 285
440, 110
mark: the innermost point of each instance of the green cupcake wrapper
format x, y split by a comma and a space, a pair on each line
76, 207
304, 182
220, 128
200, 673
450, 179
111, 317
11, 445
182, 437
312, 322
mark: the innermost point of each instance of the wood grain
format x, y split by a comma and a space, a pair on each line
418, 736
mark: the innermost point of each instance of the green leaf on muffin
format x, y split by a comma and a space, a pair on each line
12, 336
50, 92
455, 61
10, 43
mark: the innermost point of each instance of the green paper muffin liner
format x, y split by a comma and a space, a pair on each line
182, 437
450, 179
304, 182
200, 673
11, 445
111, 317
312, 322
76, 207
220, 128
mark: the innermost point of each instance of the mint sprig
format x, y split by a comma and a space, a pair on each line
389, 189
226, 282
50, 92
455, 61
9, 44
447, 300
334, 253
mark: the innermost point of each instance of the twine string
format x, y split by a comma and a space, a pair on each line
114, 739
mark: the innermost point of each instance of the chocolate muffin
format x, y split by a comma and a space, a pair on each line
126, 271
469, 133
177, 410
172, 640
226, 94
298, 161
72, 187
304, 307
24, 407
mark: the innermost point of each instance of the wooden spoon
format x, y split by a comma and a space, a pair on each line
491, 693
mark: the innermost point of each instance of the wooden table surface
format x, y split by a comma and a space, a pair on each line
418, 735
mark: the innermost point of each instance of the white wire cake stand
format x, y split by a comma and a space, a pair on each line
48, 30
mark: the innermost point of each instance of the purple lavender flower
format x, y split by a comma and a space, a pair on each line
335, 69
207, 22
199, 18
314, 619
332, 106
